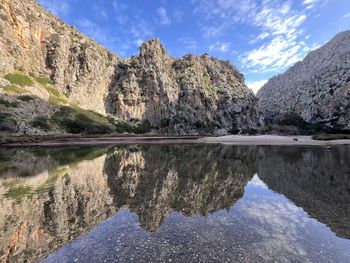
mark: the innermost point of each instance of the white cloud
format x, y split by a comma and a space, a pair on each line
280, 33
178, 16
220, 47
140, 30
346, 15
189, 43
119, 9
59, 8
139, 42
262, 36
163, 17
256, 85
93, 30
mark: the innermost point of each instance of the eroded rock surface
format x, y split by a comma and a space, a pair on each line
317, 88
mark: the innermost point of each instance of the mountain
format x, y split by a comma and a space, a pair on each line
316, 89
54, 79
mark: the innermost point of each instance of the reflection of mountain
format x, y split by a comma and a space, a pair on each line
43, 212
48, 197
316, 179
65, 195
154, 180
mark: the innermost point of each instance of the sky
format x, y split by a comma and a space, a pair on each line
262, 38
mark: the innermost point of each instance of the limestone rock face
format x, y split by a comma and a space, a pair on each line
317, 88
180, 96
35, 41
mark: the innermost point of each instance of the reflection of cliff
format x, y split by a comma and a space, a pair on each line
316, 179
49, 197
155, 180
66, 196
41, 213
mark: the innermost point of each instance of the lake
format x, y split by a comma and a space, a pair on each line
175, 203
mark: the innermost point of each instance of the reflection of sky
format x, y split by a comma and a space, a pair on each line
262, 226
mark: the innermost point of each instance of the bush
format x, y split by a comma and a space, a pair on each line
76, 120
14, 89
293, 119
25, 98
8, 104
328, 137
7, 123
234, 131
249, 131
43, 80
144, 127
41, 123
19, 79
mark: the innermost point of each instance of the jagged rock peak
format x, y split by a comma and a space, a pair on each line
152, 48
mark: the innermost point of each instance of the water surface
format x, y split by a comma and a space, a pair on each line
175, 203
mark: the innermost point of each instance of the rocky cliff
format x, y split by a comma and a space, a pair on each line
57, 66
316, 89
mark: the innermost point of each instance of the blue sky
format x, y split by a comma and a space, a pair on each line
261, 37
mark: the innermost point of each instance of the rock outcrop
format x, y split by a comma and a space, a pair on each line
181, 96
317, 88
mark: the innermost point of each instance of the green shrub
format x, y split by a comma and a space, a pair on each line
19, 79
328, 137
25, 98
122, 127
43, 80
8, 104
234, 131
144, 127
249, 131
293, 119
57, 101
14, 89
7, 122
53, 91
41, 123
76, 120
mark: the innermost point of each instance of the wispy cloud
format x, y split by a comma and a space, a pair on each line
220, 47
163, 17
178, 15
94, 31
346, 16
58, 7
188, 43
120, 12
280, 38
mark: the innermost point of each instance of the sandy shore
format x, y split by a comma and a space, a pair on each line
230, 140
270, 140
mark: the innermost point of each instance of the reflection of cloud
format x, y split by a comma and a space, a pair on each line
257, 182
276, 220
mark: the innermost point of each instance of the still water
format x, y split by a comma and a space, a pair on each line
175, 203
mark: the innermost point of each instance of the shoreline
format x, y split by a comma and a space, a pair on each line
227, 140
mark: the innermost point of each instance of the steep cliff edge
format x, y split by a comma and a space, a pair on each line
152, 90
317, 89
